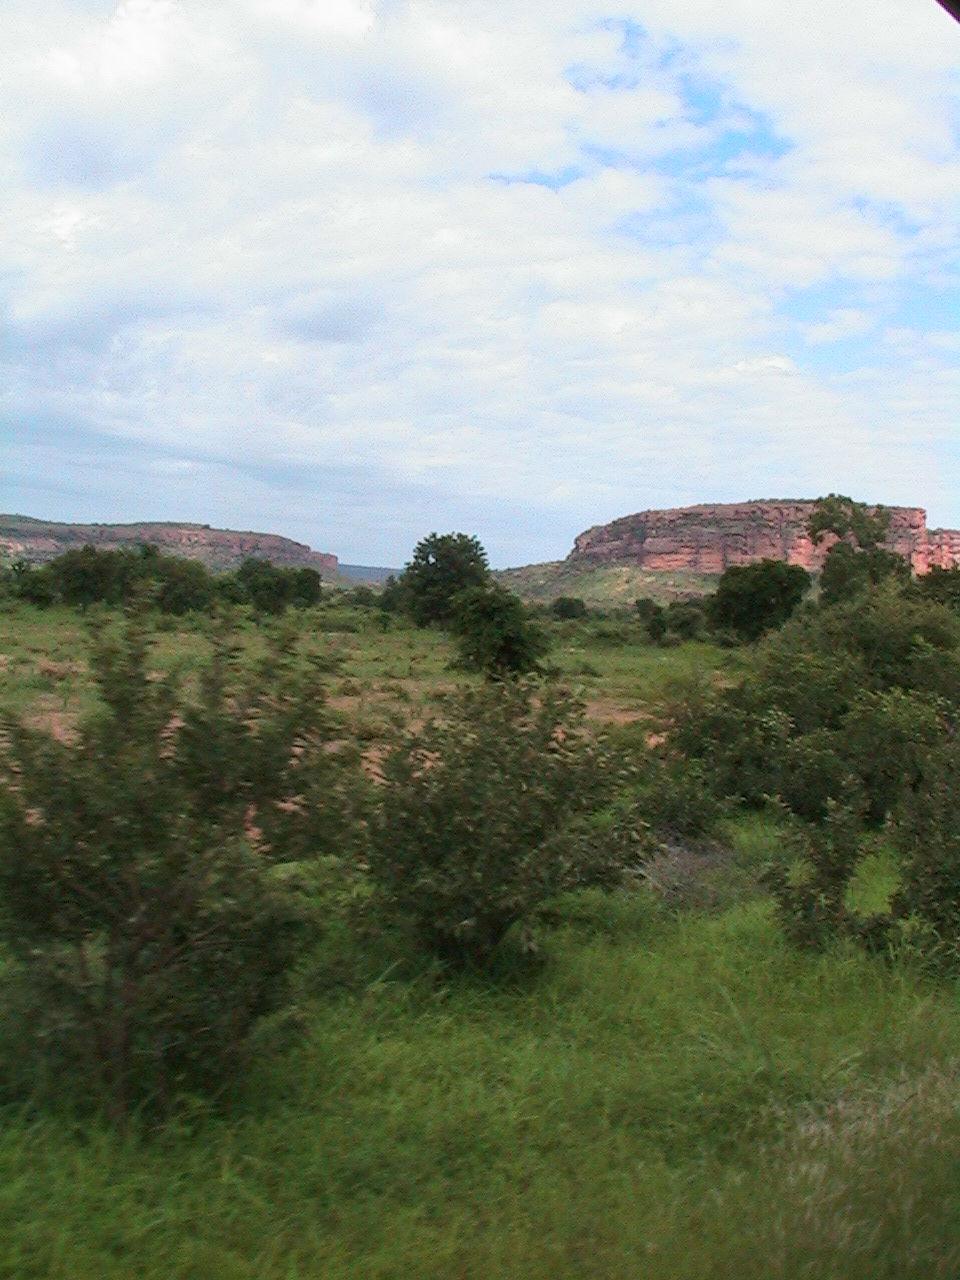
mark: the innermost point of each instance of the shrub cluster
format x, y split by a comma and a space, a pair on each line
848, 721
447, 583
138, 877
166, 865
488, 811
87, 575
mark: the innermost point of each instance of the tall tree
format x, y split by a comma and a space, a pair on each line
442, 566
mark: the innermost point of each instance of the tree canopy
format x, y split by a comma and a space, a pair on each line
754, 598
442, 566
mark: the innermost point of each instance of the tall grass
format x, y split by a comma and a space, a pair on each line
667, 1097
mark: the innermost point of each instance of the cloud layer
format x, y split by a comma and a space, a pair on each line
353, 270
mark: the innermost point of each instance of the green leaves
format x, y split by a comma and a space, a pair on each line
481, 817
495, 635
136, 859
441, 567
755, 598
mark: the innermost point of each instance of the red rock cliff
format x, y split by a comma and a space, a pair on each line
708, 539
37, 541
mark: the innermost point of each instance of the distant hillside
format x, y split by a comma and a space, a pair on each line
613, 586
370, 573
39, 541
711, 538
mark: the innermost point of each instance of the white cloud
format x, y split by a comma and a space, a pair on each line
534, 266
842, 322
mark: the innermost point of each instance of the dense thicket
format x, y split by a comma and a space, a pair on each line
488, 811
848, 719
85, 576
140, 895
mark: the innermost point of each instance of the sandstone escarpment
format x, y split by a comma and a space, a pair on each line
710, 538
38, 541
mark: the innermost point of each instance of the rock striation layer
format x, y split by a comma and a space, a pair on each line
38, 541
710, 538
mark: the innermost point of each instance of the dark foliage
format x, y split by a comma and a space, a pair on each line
495, 634
139, 892
845, 698
88, 575
565, 608
755, 598
442, 566
490, 810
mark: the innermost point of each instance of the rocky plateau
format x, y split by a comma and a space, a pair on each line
711, 537
39, 541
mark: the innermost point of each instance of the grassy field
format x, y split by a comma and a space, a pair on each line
613, 586
671, 1091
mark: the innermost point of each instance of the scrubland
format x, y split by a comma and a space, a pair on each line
670, 1081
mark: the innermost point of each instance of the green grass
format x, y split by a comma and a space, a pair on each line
669, 1097
614, 586
398, 670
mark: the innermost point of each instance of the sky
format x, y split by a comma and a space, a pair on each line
354, 271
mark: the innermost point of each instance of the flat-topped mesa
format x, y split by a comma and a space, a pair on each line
38, 541
711, 538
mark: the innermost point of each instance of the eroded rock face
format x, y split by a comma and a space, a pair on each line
710, 538
38, 541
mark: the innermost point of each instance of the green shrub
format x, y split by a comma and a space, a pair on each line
486, 814
139, 890
685, 618
495, 635
754, 598
567, 607
676, 798
810, 885
927, 836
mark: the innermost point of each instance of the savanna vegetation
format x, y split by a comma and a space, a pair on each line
423, 934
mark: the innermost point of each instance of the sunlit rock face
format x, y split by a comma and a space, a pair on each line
710, 538
38, 541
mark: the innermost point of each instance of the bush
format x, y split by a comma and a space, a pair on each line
486, 814
755, 598
565, 608
685, 619
852, 696
810, 886
927, 835
139, 890
495, 635
442, 566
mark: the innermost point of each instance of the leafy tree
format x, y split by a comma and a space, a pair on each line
645, 607
35, 585
857, 560
842, 700
84, 576
266, 586
140, 898
183, 586
486, 814
927, 835
565, 608
495, 634
442, 566
865, 526
847, 572
685, 618
942, 585
755, 598
656, 624
304, 587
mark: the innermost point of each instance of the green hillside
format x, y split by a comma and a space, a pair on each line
604, 586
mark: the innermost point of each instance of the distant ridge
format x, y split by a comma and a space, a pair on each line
711, 537
39, 541
366, 572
